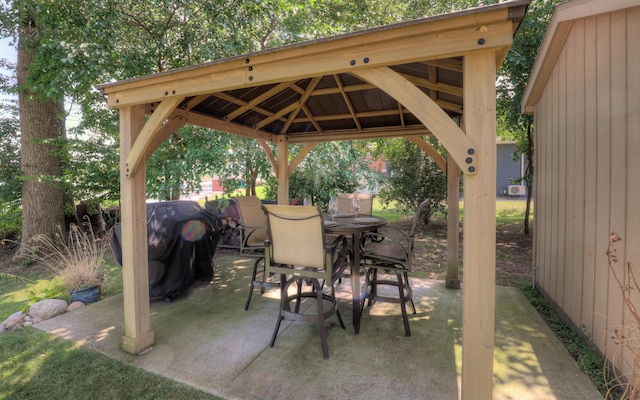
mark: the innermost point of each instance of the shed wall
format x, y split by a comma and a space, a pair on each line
587, 163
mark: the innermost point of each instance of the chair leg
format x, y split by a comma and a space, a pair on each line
403, 304
283, 300
333, 294
252, 285
406, 279
321, 323
299, 292
374, 285
283, 303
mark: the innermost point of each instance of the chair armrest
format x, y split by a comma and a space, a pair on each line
388, 233
392, 248
247, 231
332, 245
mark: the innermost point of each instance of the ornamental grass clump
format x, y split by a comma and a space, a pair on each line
76, 259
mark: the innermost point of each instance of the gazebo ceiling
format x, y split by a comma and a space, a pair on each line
336, 105
311, 91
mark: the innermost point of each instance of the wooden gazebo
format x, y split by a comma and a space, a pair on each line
431, 76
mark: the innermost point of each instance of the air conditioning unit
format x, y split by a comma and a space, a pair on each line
517, 190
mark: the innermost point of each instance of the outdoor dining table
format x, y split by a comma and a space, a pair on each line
348, 224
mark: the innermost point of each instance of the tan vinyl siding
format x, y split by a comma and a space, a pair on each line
632, 233
587, 122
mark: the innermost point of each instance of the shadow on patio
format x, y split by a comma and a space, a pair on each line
207, 340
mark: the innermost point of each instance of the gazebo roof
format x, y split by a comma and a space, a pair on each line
311, 92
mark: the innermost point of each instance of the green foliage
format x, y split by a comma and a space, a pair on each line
10, 219
9, 153
330, 168
413, 177
516, 68
40, 290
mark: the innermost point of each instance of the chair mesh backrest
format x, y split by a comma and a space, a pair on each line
251, 216
296, 234
417, 217
345, 203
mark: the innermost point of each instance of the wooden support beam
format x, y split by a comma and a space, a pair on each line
210, 122
299, 157
459, 146
144, 139
479, 249
270, 156
452, 280
283, 167
163, 133
431, 151
138, 335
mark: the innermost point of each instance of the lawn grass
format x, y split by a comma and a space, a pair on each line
36, 365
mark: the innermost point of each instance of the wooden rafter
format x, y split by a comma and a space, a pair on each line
301, 103
428, 84
449, 63
249, 105
312, 119
347, 101
401, 114
370, 133
243, 104
278, 115
432, 75
195, 101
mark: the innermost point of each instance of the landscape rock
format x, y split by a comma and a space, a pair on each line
75, 305
2, 330
13, 319
15, 327
48, 308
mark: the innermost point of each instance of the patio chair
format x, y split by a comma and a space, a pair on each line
391, 251
345, 203
297, 249
253, 233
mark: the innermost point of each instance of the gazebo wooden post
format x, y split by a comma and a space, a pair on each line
138, 335
452, 280
283, 170
479, 250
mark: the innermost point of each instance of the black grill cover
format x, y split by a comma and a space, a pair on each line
182, 239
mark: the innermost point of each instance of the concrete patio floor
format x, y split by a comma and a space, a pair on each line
205, 339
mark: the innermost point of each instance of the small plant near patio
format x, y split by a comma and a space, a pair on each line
76, 259
40, 290
626, 337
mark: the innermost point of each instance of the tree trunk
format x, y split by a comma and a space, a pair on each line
529, 177
42, 130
